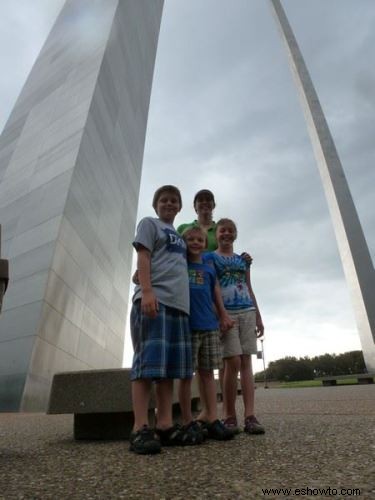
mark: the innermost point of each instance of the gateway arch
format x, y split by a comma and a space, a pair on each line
70, 167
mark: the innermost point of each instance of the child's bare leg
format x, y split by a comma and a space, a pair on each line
247, 385
221, 381
202, 394
141, 390
164, 398
208, 388
184, 398
231, 369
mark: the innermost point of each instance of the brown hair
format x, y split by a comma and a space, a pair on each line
169, 189
204, 192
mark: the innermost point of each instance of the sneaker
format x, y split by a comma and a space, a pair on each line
217, 430
144, 441
252, 426
231, 424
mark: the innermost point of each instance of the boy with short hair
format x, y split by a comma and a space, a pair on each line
159, 322
204, 290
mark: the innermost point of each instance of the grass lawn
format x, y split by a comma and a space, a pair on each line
314, 383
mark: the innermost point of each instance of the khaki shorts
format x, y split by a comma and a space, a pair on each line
241, 339
206, 350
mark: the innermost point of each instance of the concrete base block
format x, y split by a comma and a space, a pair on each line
366, 380
101, 402
105, 425
91, 391
362, 378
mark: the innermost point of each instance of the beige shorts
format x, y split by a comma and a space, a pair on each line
241, 339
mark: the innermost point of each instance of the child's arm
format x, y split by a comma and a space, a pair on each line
226, 322
259, 322
149, 302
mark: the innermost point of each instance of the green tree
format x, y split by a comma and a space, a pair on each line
291, 369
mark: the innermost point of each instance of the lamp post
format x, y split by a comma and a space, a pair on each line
264, 365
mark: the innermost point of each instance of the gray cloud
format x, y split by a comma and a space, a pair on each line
225, 115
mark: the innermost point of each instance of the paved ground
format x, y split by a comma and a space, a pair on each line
317, 438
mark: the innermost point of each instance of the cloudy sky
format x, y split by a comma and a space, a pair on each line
225, 115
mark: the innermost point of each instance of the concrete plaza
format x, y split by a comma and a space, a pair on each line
317, 438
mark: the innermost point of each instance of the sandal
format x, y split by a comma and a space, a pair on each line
203, 425
144, 442
192, 434
186, 435
253, 426
171, 436
231, 424
217, 430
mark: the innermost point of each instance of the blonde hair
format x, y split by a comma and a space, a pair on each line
227, 222
195, 229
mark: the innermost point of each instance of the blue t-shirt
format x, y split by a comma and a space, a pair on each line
202, 280
231, 272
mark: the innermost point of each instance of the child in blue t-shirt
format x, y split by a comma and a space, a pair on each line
204, 324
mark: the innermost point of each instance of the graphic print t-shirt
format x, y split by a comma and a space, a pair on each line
202, 280
231, 272
169, 277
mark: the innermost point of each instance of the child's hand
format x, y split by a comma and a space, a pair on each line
259, 326
247, 258
226, 323
149, 304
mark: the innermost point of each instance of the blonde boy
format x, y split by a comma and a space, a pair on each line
204, 323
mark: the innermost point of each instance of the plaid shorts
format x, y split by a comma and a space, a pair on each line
206, 350
162, 345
